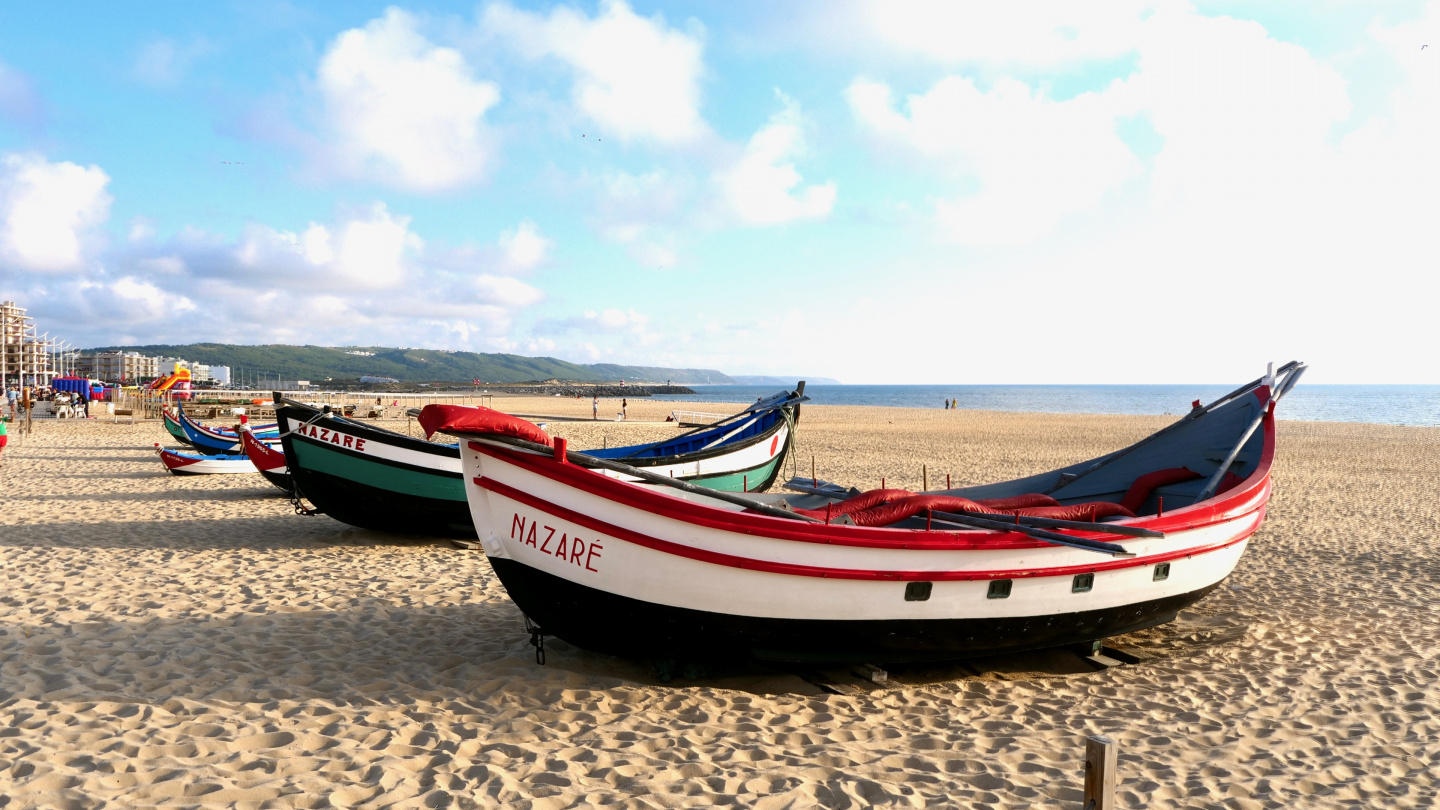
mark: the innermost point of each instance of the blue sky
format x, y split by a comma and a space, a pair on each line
878, 192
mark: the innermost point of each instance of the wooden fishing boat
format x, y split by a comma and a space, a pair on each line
184, 462
1094, 549
268, 459
219, 440
172, 426
377, 479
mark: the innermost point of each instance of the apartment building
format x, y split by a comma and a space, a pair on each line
25, 357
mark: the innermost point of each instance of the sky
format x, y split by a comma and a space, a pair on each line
874, 191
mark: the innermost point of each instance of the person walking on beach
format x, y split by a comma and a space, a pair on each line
595, 408
625, 409
12, 395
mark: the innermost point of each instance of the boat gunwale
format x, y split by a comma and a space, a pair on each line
825, 572
1249, 496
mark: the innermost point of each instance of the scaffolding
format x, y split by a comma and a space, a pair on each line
26, 357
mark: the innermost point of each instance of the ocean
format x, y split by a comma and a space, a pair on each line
1384, 404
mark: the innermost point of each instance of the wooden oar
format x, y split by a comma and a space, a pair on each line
1083, 525
1039, 534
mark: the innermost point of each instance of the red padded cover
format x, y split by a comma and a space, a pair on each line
1018, 502
1092, 511
472, 420
885, 514
1149, 482
857, 503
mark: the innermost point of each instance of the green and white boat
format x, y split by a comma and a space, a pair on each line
378, 479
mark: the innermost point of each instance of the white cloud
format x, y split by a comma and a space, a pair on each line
155, 303
374, 250
1031, 34
634, 76
1031, 160
507, 291
763, 186
366, 277
48, 211
403, 109
524, 247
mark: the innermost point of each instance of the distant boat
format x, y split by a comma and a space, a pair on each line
184, 462
268, 459
1102, 547
378, 479
172, 425
218, 440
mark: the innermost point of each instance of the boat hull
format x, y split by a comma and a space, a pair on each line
658, 575
383, 481
617, 625
185, 463
377, 480
172, 426
270, 461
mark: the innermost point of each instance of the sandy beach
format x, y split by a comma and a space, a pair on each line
192, 642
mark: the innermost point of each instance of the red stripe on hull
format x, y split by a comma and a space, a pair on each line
1249, 497
795, 569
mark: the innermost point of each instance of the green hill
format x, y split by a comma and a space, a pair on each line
318, 363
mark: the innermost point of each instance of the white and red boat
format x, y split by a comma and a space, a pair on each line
184, 462
1095, 549
267, 458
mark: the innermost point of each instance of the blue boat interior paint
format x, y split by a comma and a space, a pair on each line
1383, 404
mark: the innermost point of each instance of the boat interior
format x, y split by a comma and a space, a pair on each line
1208, 451
736, 430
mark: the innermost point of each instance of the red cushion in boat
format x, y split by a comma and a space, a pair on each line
467, 419
886, 514
857, 503
1140, 491
880, 497
1092, 511
1017, 502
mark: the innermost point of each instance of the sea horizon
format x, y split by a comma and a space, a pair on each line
1412, 404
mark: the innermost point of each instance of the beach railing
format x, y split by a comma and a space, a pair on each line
698, 418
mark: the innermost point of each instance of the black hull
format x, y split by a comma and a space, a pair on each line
617, 625
383, 510
280, 480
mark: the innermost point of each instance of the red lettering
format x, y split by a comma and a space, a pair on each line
314, 431
348, 440
546, 544
577, 548
360, 444
594, 548
530, 541
560, 550
325, 434
517, 522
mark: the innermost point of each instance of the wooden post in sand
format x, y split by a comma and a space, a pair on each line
924, 479
1100, 756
